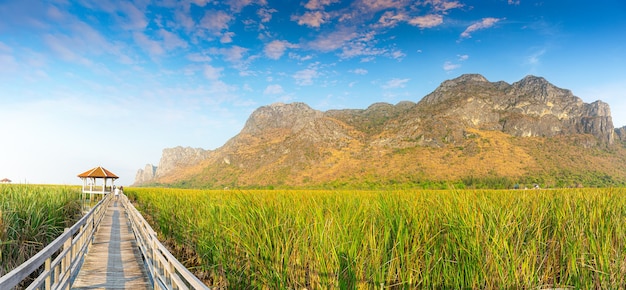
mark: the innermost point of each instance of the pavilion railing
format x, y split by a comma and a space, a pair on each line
58, 268
165, 270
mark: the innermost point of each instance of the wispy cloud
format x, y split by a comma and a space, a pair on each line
482, 24
276, 48
265, 14
319, 4
395, 83
8, 63
273, 90
234, 54
212, 73
215, 21
305, 77
391, 19
237, 5
171, 41
59, 45
311, 18
153, 47
134, 19
448, 66
444, 5
534, 58
198, 57
333, 40
359, 71
426, 21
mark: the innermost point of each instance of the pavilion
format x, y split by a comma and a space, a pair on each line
92, 176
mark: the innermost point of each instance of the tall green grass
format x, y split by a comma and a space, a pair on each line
32, 216
395, 239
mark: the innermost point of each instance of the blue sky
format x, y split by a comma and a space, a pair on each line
99, 82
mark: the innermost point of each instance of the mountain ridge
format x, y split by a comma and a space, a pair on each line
295, 145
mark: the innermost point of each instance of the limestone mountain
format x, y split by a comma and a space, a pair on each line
468, 129
172, 159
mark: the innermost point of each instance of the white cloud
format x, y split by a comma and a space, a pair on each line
300, 57
201, 3
276, 48
391, 19
319, 4
62, 46
198, 57
171, 41
378, 5
273, 90
448, 66
212, 73
135, 18
395, 83
227, 37
265, 14
5, 48
185, 20
234, 54
534, 58
427, 21
8, 64
359, 71
333, 40
483, 24
305, 77
443, 5
311, 19
215, 21
238, 5
154, 48
396, 54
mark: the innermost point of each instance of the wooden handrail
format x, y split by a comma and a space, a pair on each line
165, 270
57, 273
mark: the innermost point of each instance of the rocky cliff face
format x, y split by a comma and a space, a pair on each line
171, 160
146, 174
620, 134
286, 141
529, 107
177, 157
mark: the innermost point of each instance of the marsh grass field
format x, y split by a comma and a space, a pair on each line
351, 239
314, 239
32, 216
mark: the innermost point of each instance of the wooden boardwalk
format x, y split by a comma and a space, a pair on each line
114, 260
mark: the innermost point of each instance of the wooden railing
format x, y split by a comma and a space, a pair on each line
166, 272
59, 267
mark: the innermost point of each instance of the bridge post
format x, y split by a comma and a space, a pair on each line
155, 264
47, 269
65, 263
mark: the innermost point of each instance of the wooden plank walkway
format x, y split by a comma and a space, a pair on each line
113, 260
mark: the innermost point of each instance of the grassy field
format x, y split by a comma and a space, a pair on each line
394, 239
32, 216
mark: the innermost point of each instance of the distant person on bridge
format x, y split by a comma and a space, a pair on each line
117, 193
